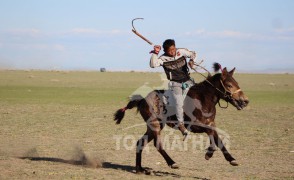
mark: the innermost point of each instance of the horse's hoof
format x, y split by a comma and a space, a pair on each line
174, 166
147, 171
143, 171
234, 163
207, 157
209, 154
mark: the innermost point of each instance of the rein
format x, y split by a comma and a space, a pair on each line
225, 94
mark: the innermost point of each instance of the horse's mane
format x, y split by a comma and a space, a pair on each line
204, 86
215, 77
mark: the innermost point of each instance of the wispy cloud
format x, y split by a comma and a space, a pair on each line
220, 34
32, 32
285, 33
232, 34
285, 30
85, 31
93, 32
35, 46
37, 33
59, 47
277, 34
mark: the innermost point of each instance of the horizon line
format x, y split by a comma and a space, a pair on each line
265, 71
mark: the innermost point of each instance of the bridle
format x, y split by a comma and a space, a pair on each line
227, 94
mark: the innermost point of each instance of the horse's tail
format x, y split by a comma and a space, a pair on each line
134, 102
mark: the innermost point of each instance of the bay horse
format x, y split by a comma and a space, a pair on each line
199, 114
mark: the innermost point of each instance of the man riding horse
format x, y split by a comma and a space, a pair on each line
175, 66
195, 112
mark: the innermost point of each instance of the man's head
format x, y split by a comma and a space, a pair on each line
169, 47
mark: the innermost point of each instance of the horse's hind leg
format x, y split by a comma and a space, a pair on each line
159, 147
141, 143
211, 148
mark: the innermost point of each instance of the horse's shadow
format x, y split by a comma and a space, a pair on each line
108, 165
132, 169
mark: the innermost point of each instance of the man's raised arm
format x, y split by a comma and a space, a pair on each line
154, 60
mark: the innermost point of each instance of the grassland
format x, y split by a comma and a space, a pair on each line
62, 115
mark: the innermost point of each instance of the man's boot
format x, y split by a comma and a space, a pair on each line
183, 130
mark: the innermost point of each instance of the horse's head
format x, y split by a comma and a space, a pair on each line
232, 92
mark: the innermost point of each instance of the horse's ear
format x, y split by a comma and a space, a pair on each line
224, 73
232, 71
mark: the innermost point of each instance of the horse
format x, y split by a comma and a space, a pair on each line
199, 114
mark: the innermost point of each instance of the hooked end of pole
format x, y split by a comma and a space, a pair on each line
133, 23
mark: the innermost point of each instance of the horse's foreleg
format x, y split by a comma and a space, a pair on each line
141, 143
159, 147
224, 150
216, 141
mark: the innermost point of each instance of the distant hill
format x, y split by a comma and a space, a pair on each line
269, 71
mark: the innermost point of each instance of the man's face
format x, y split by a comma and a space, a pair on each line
171, 51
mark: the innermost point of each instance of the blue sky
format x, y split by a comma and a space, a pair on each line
87, 35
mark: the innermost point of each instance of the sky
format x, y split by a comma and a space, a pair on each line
251, 35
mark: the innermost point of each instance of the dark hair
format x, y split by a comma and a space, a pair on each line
168, 43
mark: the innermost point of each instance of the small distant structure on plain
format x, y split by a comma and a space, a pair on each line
102, 69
